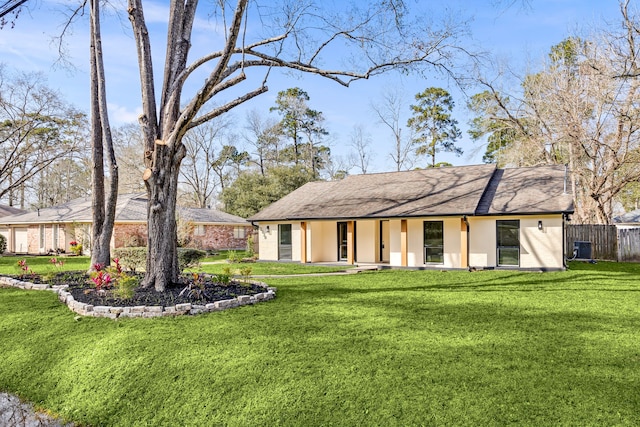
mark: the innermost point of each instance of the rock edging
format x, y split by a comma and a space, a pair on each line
142, 310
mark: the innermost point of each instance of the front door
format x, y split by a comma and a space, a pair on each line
342, 241
385, 249
284, 241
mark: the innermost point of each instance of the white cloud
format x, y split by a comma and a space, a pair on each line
120, 115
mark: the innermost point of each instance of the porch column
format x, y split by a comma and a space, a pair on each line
403, 243
350, 243
464, 244
303, 242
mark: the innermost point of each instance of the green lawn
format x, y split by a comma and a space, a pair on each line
42, 264
384, 348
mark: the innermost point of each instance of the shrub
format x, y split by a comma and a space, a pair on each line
190, 258
250, 243
233, 257
124, 286
3, 244
132, 259
76, 247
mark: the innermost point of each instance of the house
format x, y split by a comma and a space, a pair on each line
628, 220
53, 229
455, 217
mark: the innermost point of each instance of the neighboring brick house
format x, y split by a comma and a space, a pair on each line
53, 229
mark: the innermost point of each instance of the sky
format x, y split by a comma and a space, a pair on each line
519, 35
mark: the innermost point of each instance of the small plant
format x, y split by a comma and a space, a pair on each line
226, 270
245, 272
57, 268
250, 252
233, 257
24, 268
223, 279
76, 247
125, 285
3, 244
195, 289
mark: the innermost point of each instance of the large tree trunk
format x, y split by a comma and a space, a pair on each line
103, 211
162, 259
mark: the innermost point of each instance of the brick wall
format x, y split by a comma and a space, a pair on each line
215, 236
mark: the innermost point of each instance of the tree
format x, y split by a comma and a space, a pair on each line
388, 110
264, 136
361, 143
252, 191
103, 203
299, 120
434, 127
580, 110
199, 169
128, 148
378, 37
37, 127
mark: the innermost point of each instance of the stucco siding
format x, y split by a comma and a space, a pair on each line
538, 248
325, 241
395, 249
366, 246
541, 248
482, 242
268, 241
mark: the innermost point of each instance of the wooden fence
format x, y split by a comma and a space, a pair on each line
607, 241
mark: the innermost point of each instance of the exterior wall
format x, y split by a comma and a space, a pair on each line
538, 248
482, 242
268, 241
395, 256
324, 241
367, 241
541, 248
215, 236
127, 235
452, 242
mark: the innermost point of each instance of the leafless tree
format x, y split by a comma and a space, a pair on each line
581, 110
37, 127
202, 143
389, 112
103, 201
301, 36
361, 145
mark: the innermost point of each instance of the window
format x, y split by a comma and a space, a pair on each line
54, 245
199, 230
42, 240
284, 241
433, 242
239, 232
508, 241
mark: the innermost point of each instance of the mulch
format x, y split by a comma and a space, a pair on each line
207, 290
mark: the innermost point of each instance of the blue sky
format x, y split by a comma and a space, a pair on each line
520, 35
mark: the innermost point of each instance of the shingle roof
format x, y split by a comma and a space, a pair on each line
539, 189
464, 190
129, 208
9, 210
632, 217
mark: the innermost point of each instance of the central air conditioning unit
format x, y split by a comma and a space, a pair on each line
581, 250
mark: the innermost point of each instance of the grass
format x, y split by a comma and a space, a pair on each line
42, 264
383, 348
270, 268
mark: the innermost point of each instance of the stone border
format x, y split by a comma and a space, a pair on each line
141, 311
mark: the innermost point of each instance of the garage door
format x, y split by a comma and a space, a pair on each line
21, 243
